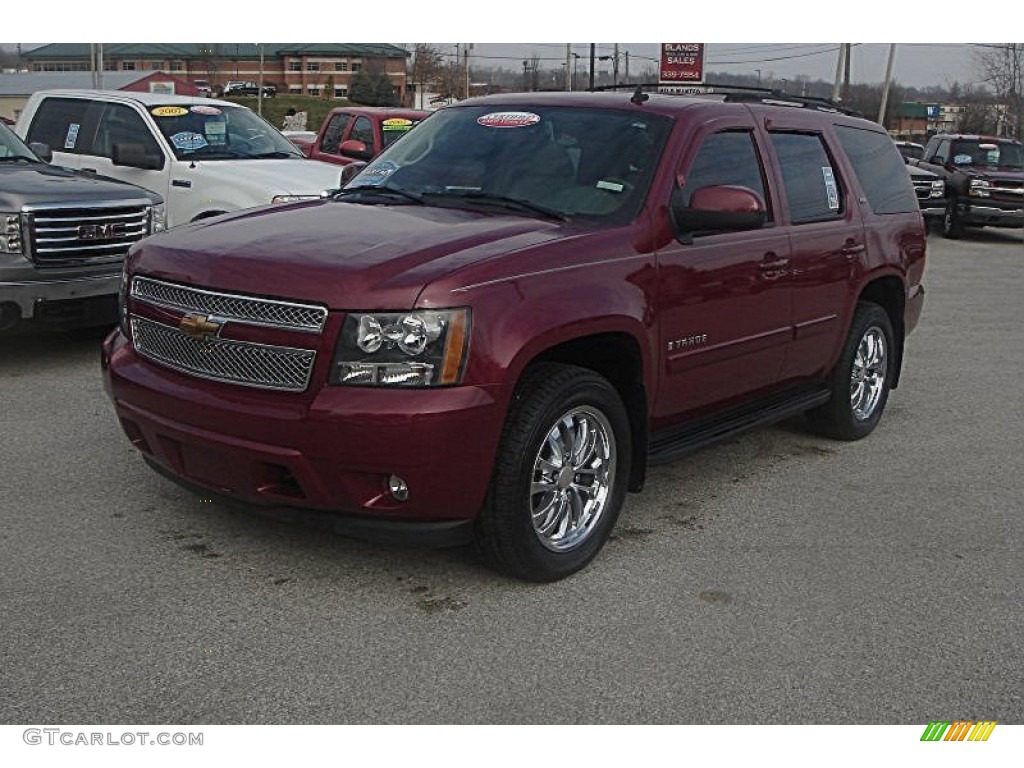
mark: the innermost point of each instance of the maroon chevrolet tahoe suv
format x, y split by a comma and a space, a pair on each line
494, 329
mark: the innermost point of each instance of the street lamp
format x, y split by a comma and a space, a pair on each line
575, 61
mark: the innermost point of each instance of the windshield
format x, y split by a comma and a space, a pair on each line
913, 151
989, 154
208, 132
12, 147
562, 161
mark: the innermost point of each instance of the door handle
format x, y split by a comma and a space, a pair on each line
773, 266
851, 248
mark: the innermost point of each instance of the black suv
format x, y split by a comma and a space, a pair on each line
984, 180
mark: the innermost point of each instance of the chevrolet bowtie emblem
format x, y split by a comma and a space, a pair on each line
199, 326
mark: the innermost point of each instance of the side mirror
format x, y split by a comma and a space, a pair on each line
135, 156
42, 151
724, 208
350, 171
355, 148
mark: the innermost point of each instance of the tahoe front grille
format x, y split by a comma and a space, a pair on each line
236, 362
195, 345
60, 235
247, 309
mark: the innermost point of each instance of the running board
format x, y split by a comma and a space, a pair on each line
671, 443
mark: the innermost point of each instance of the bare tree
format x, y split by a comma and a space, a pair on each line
427, 68
1002, 66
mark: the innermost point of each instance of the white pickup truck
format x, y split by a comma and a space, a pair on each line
204, 156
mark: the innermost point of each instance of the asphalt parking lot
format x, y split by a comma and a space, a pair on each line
776, 578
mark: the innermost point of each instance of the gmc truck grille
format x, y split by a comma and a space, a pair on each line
61, 235
923, 189
195, 347
235, 362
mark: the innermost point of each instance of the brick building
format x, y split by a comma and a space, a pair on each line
313, 69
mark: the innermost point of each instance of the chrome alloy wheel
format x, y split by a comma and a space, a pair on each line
572, 478
867, 378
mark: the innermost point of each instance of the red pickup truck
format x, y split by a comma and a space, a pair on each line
350, 134
494, 329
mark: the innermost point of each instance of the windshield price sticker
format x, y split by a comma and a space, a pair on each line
168, 111
376, 174
830, 188
205, 109
72, 138
187, 140
508, 119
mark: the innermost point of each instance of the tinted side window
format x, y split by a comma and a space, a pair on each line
363, 131
812, 185
333, 133
122, 125
879, 169
67, 125
726, 158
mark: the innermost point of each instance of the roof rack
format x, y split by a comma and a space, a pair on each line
742, 93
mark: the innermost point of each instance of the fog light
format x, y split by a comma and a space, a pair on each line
397, 488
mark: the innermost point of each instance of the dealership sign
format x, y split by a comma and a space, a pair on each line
682, 63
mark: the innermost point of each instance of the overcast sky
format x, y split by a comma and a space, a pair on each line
738, 33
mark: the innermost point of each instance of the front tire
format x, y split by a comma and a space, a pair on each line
560, 476
862, 378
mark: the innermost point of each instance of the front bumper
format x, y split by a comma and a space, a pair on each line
32, 294
332, 451
991, 214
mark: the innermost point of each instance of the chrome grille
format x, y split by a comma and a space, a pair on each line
236, 362
247, 309
64, 234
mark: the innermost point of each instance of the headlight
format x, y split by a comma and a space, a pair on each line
423, 348
292, 198
10, 233
938, 188
979, 188
157, 218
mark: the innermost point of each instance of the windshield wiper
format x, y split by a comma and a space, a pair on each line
16, 158
501, 201
278, 153
382, 191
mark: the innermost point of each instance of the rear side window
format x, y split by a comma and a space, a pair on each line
66, 125
333, 133
812, 184
880, 170
726, 158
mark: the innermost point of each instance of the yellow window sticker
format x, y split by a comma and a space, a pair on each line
168, 111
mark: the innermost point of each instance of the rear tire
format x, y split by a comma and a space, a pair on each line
560, 475
861, 380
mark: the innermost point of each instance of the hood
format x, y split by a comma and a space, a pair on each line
992, 174
281, 176
39, 184
344, 255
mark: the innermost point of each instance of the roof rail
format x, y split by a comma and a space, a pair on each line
743, 93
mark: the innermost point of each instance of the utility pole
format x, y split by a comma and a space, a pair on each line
846, 73
888, 83
615, 66
259, 101
836, 93
592, 46
99, 69
465, 55
627, 67
568, 58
